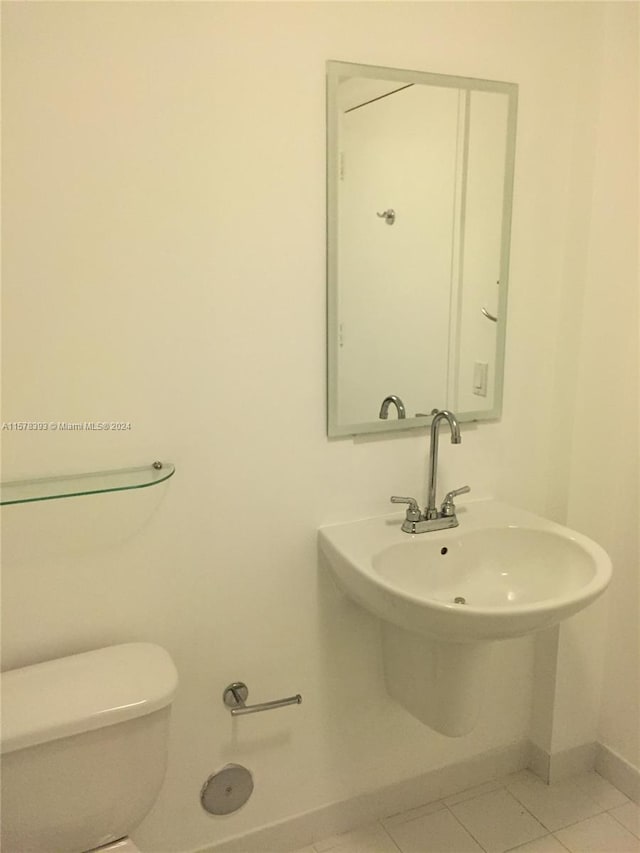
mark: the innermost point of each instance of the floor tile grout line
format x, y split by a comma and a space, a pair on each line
393, 841
531, 814
580, 820
528, 810
498, 786
560, 842
466, 829
566, 826
610, 812
524, 843
502, 785
397, 815
443, 804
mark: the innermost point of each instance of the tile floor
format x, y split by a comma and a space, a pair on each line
584, 814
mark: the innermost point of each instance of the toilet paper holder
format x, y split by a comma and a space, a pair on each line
235, 697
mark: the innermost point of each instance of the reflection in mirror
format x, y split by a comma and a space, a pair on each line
420, 175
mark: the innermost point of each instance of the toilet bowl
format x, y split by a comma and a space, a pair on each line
84, 748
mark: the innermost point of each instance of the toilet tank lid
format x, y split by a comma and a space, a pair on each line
75, 694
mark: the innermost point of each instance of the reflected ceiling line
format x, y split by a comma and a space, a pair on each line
379, 98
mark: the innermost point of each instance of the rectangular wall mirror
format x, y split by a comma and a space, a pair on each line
420, 180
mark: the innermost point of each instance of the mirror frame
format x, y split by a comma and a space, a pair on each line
335, 71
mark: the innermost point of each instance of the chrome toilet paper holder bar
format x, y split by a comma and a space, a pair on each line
235, 696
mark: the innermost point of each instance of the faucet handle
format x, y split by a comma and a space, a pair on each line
448, 507
413, 510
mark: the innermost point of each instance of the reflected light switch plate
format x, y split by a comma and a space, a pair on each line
480, 374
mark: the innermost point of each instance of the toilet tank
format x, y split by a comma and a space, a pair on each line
84, 747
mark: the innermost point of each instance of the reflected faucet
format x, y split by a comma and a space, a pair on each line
433, 518
397, 402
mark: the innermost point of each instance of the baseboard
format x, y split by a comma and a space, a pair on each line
618, 771
304, 829
539, 761
561, 765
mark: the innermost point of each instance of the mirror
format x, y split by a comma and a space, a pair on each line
420, 179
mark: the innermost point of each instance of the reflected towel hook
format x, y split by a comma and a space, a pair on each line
489, 316
389, 216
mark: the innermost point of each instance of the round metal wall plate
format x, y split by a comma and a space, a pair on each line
238, 688
227, 790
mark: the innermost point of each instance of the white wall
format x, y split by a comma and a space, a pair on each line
164, 265
594, 410
605, 462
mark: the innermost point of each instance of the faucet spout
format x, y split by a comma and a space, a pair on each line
432, 518
439, 415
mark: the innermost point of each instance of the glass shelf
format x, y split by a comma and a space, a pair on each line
49, 488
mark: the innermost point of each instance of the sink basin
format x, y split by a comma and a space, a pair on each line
502, 573
443, 597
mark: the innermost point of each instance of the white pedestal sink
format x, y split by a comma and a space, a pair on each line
443, 597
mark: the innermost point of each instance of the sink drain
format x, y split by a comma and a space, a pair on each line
459, 600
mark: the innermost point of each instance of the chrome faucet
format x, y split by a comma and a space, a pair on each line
397, 402
433, 518
438, 416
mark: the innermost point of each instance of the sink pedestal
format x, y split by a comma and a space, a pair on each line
441, 683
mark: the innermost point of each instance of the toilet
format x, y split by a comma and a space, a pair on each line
84, 748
